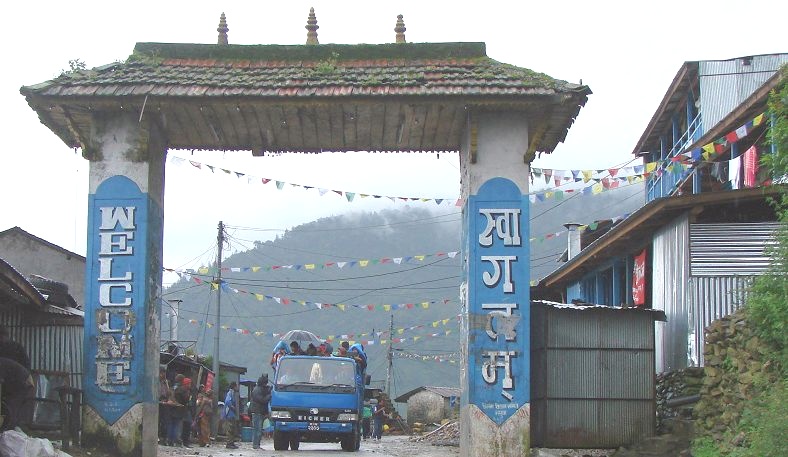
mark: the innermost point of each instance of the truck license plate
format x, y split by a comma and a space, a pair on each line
313, 426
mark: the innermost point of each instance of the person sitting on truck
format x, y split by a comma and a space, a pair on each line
361, 362
311, 350
280, 350
295, 349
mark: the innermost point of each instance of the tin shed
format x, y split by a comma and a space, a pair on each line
592, 375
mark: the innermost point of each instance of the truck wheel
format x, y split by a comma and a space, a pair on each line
351, 443
280, 441
294, 443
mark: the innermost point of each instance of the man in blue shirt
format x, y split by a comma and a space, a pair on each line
231, 415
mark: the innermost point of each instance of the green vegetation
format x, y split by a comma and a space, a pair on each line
764, 420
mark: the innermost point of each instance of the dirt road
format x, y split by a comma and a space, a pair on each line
389, 446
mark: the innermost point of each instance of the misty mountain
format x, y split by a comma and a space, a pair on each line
397, 257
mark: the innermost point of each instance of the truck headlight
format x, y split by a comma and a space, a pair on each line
347, 417
280, 414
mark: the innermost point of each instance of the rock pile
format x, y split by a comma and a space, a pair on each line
447, 434
735, 361
677, 385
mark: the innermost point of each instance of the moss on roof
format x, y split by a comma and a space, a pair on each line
408, 51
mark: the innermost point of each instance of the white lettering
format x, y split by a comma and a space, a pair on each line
490, 369
108, 242
105, 294
110, 375
111, 216
507, 322
105, 271
491, 280
506, 223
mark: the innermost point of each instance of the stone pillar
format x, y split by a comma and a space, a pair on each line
123, 285
495, 374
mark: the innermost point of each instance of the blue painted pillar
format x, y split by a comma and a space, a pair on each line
495, 377
123, 285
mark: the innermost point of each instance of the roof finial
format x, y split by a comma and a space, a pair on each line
400, 29
222, 29
311, 26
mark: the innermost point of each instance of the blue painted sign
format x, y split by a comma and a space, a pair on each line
498, 299
115, 306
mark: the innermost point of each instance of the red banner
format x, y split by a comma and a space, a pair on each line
209, 381
639, 280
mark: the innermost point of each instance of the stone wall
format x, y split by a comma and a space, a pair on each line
735, 361
676, 385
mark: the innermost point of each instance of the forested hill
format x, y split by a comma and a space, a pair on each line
363, 269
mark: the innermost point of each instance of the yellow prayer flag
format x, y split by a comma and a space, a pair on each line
416, 338
400, 331
445, 321
214, 286
435, 324
587, 175
363, 263
758, 120
387, 307
341, 306
425, 305
708, 149
259, 297
309, 266
597, 188
419, 257
651, 166
255, 269
382, 341
202, 270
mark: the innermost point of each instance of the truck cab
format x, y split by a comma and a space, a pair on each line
318, 400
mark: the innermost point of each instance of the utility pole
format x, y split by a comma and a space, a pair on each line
391, 356
215, 387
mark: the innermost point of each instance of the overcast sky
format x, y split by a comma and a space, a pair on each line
627, 52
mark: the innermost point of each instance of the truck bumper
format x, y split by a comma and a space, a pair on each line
308, 428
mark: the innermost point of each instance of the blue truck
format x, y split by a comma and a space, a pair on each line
317, 400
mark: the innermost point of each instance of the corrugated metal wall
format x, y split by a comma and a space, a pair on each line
592, 376
669, 293
725, 84
710, 299
50, 347
730, 249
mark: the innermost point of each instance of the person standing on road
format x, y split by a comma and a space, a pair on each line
366, 419
231, 414
378, 413
204, 415
261, 395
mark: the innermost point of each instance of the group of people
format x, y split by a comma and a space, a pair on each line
354, 351
372, 416
258, 409
184, 410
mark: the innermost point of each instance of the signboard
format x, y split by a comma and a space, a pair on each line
116, 281
499, 307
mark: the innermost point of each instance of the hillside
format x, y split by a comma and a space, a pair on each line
397, 263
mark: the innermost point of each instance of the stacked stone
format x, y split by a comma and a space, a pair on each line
735, 359
673, 385
447, 434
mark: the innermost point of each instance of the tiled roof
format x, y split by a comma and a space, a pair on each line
262, 97
326, 70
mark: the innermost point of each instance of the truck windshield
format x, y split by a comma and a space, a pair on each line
316, 372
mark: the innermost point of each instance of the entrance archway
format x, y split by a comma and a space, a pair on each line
305, 98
